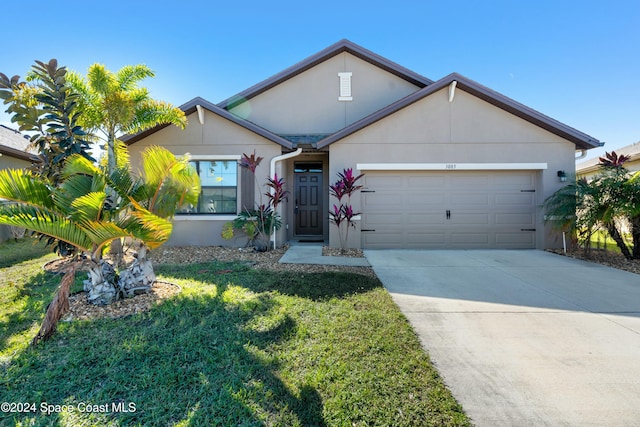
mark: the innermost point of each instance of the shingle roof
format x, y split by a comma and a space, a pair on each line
631, 150
14, 144
428, 87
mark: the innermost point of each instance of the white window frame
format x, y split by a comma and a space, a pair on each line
215, 217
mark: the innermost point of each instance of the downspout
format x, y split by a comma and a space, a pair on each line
272, 172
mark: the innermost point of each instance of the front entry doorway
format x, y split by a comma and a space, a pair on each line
308, 199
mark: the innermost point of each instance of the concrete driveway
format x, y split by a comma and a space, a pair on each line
524, 338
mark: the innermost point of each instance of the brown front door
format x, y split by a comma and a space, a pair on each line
308, 199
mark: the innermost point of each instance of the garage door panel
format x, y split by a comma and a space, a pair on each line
469, 219
470, 181
389, 221
515, 199
425, 219
382, 201
382, 240
417, 182
438, 239
383, 181
488, 209
425, 200
519, 181
526, 218
469, 199
516, 239
469, 238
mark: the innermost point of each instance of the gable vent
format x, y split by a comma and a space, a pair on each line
345, 87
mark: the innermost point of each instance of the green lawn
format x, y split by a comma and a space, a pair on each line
243, 348
602, 240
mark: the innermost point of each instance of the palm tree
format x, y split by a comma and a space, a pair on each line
80, 212
112, 104
611, 196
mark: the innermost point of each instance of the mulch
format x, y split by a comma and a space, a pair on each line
80, 309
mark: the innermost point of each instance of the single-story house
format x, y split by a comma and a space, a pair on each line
590, 167
446, 163
14, 154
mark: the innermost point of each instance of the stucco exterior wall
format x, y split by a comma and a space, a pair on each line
308, 103
217, 137
8, 162
468, 130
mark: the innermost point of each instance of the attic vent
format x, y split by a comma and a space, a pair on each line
345, 87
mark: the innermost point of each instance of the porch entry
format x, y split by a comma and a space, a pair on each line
308, 198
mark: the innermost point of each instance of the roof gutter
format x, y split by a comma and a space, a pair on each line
272, 174
583, 154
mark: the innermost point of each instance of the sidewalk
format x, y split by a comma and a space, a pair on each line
311, 253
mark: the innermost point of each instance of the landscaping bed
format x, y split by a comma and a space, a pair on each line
608, 258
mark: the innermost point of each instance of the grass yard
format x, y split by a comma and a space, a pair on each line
237, 347
601, 240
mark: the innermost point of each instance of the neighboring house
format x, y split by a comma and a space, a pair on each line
589, 168
14, 149
447, 163
14, 154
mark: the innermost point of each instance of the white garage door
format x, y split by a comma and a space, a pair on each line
447, 209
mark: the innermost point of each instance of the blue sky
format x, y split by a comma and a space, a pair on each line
576, 61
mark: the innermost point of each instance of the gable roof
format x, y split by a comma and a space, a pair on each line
343, 45
427, 87
582, 140
190, 108
14, 144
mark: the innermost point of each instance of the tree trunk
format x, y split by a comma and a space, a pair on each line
617, 237
635, 235
116, 245
139, 277
101, 285
58, 306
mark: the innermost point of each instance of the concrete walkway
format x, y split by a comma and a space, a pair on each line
524, 338
311, 253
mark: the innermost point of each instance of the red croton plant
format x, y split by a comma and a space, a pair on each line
346, 185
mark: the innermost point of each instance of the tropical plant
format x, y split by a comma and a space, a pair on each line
112, 104
262, 221
45, 106
79, 211
344, 188
607, 201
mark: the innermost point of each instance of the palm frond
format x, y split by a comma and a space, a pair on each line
129, 75
45, 222
152, 113
102, 233
88, 207
72, 188
150, 228
100, 79
76, 164
23, 186
169, 180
